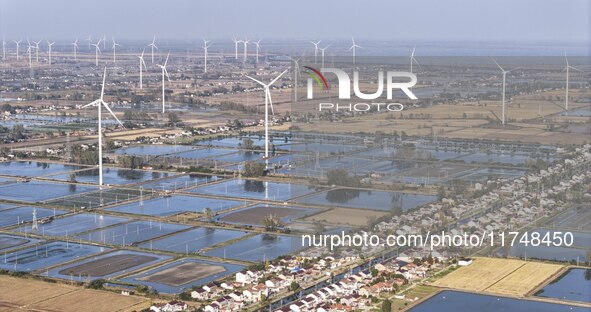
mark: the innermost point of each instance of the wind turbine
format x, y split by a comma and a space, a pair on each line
236, 42
413, 59
89, 39
258, 46
245, 42
322, 52
18, 43
316, 50
37, 50
100, 103
567, 74
164, 71
115, 44
205, 46
153, 45
268, 102
141, 57
505, 72
97, 50
104, 39
49, 44
75, 47
353, 48
3, 48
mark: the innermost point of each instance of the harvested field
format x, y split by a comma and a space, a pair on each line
347, 216
183, 274
529, 276
29, 294
108, 265
501, 276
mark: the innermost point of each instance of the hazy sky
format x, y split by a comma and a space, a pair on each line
446, 20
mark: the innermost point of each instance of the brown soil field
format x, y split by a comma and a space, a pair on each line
184, 273
347, 216
32, 295
257, 214
108, 265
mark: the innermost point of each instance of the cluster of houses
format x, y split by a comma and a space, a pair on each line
355, 290
172, 306
251, 286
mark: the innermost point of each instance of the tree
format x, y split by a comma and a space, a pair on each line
173, 119
247, 144
341, 177
209, 214
386, 306
294, 286
97, 284
17, 132
271, 223
254, 170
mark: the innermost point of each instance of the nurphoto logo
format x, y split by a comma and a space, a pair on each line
344, 89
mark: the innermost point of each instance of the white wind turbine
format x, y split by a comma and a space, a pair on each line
75, 48
164, 72
205, 46
236, 42
37, 50
258, 47
505, 72
3, 48
100, 103
245, 42
268, 102
353, 47
115, 45
97, 50
413, 59
152, 46
104, 40
89, 39
322, 54
141, 57
18, 43
316, 50
567, 74
49, 45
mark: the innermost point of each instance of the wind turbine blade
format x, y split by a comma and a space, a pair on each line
268, 92
273, 81
165, 62
498, 65
513, 69
166, 72
577, 69
257, 81
112, 114
103, 87
93, 103
566, 58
